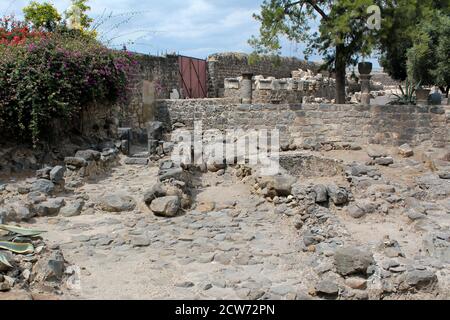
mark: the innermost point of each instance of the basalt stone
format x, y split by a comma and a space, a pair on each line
351, 260
156, 191
75, 162
88, 155
338, 195
43, 186
117, 203
57, 174
166, 206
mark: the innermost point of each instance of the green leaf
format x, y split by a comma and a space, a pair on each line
21, 231
21, 248
4, 261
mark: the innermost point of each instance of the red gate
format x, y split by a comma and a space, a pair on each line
193, 77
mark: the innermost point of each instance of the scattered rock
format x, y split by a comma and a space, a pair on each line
338, 195
351, 260
405, 150
57, 174
73, 209
356, 283
51, 207
75, 162
166, 206
361, 208
321, 193
43, 186
117, 203
419, 280
156, 191
327, 287
384, 161
88, 155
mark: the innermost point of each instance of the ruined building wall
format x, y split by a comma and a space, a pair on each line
231, 65
321, 123
156, 77
283, 90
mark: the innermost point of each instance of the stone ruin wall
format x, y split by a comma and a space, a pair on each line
231, 65
278, 91
320, 123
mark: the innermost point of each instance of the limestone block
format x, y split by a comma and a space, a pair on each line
232, 83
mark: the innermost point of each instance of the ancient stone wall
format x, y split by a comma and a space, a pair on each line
283, 90
317, 123
231, 65
155, 79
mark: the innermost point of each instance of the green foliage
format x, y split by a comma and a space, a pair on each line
42, 16
52, 79
341, 23
401, 19
407, 96
9, 241
429, 57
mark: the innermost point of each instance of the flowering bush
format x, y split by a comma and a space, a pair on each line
13, 32
52, 77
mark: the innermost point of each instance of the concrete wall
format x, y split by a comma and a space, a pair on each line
390, 125
231, 65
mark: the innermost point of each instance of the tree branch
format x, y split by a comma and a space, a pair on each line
312, 3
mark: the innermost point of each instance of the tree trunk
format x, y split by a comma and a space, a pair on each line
340, 74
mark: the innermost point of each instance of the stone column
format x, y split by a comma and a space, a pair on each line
365, 88
247, 88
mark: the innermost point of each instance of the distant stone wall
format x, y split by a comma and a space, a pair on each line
321, 123
283, 90
231, 65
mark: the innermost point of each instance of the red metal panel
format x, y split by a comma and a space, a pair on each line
193, 77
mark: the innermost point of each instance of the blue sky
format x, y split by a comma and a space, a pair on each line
190, 27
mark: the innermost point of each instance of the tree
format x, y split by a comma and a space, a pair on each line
342, 36
42, 16
428, 60
399, 29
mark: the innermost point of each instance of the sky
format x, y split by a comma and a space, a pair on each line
196, 28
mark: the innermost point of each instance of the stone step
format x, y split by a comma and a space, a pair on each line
143, 154
136, 161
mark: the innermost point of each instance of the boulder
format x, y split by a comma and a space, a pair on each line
166, 206
76, 162
73, 209
117, 203
419, 280
321, 193
51, 207
351, 260
281, 184
384, 161
43, 186
376, 152
57, 174
444, 175
361, 208
50, 267
88, 155
338, 195
156, 191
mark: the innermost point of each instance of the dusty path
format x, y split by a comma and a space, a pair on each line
245, 252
